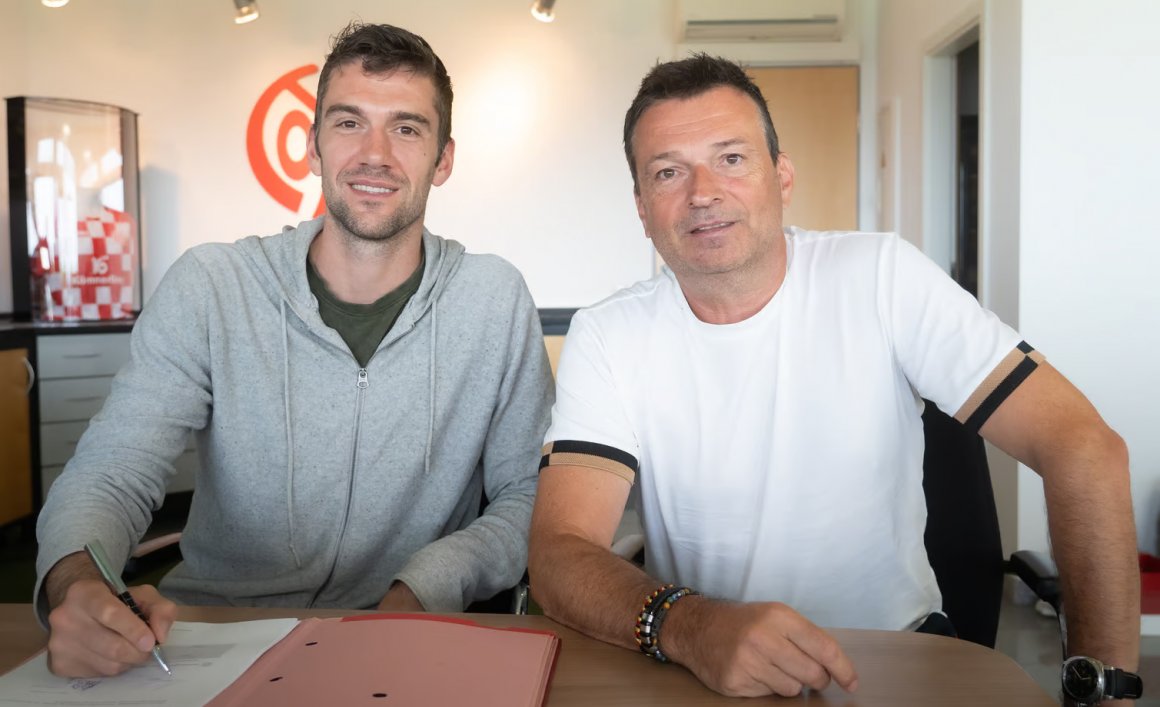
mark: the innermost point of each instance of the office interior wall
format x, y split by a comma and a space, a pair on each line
1067, 169
539, 176
1088, 232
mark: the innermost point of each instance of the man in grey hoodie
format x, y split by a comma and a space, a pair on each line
355, 385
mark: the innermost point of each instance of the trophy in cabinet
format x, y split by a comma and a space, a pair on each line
74, 210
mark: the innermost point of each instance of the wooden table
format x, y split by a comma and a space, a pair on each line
899, 669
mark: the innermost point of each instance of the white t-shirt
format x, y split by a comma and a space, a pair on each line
780, 458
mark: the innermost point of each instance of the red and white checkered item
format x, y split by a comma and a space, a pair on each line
101, 285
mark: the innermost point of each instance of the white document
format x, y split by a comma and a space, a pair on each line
205, 658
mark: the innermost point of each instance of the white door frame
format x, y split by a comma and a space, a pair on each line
939, 118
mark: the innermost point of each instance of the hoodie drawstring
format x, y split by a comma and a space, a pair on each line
431, 388
289, 436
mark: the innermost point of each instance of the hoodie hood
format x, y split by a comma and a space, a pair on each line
281, 264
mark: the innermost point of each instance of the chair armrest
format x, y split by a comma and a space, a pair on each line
156, 544
1038, 572
629, 546
513, 600
153, 555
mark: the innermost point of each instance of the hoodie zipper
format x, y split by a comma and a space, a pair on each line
361, 384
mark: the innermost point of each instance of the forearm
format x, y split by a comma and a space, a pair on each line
1047, 424
400, 598
1093, 535
78, 511
588, 588
69, 570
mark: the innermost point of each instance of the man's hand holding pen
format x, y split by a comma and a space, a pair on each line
92, 633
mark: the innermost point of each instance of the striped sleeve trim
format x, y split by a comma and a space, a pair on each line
998, 385
591, 455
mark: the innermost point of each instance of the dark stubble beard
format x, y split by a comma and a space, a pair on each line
403, 218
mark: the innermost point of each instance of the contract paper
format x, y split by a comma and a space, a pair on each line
205, 659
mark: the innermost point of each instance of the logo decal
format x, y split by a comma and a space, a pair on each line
277, 148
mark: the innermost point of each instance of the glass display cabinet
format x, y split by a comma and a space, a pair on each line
74, 210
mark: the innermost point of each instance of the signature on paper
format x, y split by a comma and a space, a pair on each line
82, 684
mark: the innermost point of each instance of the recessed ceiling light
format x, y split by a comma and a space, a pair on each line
542, 10
247, 11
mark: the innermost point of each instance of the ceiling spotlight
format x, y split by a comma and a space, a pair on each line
54, 3
247, 11
542, 10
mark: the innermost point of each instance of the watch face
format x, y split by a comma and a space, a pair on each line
1081, 679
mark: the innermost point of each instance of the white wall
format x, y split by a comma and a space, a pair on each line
1068, 166
539, 175
1089, 235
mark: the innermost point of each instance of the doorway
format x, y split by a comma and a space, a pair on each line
951, 138
965, 253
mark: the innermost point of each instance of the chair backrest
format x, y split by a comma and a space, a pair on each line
962, 526
554, 343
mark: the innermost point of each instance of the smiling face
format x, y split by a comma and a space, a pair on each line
375, 145
710, 196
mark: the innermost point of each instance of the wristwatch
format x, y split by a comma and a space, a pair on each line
1087, 681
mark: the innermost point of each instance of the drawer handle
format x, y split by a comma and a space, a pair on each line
88, 355
31, 376
89, 399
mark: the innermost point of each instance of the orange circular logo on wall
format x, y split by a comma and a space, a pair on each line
276, 143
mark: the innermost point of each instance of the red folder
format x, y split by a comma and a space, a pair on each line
399, 659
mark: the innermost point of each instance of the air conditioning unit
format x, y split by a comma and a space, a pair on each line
761, 20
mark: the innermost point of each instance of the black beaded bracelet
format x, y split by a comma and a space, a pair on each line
652, 615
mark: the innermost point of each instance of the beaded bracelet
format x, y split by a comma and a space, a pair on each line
652, 615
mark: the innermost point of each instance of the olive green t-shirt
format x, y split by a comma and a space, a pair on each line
362, 326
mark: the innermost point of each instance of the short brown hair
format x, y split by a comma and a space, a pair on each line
381, 49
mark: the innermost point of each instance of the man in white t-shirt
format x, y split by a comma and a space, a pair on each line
765, 395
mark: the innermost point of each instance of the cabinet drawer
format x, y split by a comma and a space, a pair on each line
79, 355
73, 399
58, 441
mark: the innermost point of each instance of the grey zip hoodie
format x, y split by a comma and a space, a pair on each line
320, 482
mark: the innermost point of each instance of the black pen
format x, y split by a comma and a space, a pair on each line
113, 579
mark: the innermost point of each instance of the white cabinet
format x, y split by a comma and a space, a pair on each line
76, 373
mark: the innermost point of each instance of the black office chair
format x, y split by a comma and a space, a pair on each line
962, 532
